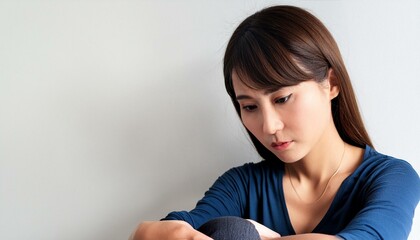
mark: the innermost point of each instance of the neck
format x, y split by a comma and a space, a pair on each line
321, 162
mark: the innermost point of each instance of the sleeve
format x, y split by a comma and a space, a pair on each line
391, 199
225, 198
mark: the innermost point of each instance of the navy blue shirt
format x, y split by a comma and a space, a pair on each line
377, 201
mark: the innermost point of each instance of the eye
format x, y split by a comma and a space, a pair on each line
283, 99
249, 108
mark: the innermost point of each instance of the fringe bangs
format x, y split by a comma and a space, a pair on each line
261, 62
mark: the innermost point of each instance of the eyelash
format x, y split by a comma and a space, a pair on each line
283, 100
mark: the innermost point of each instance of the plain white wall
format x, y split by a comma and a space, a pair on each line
113, 112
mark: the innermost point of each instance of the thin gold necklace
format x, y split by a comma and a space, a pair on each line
326, 186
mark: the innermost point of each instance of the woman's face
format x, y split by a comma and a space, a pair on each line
291, 121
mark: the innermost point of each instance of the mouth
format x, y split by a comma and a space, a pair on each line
281, 145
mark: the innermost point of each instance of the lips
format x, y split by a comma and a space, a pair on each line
281, 145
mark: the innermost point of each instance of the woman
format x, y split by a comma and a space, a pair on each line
321, 177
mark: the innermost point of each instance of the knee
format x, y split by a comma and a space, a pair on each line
230, 228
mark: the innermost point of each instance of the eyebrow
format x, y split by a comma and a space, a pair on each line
266, 92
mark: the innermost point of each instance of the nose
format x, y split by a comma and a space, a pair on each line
272, 121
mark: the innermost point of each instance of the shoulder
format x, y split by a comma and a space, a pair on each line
383, 192
252, 174
255, 170
377, 164
386, 174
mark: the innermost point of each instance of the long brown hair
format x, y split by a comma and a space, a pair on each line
282, 46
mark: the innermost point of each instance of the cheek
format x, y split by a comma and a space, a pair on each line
308, 115
249, 123
253, 124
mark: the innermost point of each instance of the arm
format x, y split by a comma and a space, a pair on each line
167, 230
390, 195
268, 234
224, 198
310, 236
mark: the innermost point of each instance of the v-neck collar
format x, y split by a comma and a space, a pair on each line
337, 197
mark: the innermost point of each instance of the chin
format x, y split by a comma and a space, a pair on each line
289, 156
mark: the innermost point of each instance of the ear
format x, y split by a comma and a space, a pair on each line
333, 84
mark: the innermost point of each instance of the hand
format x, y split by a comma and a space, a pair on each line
265, 232
179, 230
